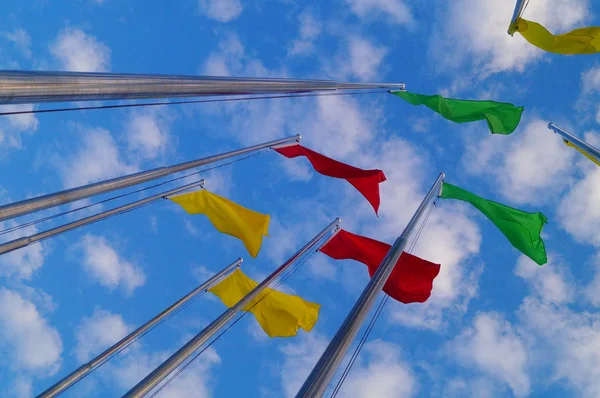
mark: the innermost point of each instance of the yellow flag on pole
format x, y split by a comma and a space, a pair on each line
578, 41
227, 217
279, 314
569, 143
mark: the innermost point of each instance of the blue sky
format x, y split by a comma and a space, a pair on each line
496, 324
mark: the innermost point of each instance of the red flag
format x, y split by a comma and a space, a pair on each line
365, 181
411, 280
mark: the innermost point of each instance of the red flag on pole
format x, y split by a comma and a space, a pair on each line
411, 280
365, 181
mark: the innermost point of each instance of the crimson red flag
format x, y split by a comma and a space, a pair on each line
365, 181
411, 280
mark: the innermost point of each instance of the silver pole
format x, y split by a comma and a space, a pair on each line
591, 151
321, 375
89, 367
23, 87
27, 240
168, 366
516, 14
27, 206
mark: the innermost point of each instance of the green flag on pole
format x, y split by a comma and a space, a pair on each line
502, 117
521, 228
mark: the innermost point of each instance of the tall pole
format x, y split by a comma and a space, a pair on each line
27, 240
24, 87
321, 375
519, 7
591, 152
27, 206
89, 367
162, 371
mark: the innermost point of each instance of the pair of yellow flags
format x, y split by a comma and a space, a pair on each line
279, 314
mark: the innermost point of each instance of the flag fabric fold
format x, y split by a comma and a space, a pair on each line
227, 217
578, 41
501, 117
411, 281
593, 159
522, 229
365, 181
279, 314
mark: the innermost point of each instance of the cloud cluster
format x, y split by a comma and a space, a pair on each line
76, 51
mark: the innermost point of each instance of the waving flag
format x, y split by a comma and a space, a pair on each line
227, 217
411, 280
502, 117
279, 314
365, 181
521, 228
578, 41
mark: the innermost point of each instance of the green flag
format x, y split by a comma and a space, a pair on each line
502, 117
521, 228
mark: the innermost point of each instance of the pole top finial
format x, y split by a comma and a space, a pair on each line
550, 125
338, 220
298, 137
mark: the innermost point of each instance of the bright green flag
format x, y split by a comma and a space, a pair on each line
502, 117
521, 228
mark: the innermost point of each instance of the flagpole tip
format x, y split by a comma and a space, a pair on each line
240, 261
443, 175
550, 125
298, 137
202, 182
338, 220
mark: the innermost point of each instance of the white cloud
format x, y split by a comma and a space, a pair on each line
221, 10
531, 166
472, 33
361, 59
105, 266
147, 134
21, 263
299, 358
26, 337
12, 128
484, 347
21, 39
383, 374
76, 51
231, 59
96, 333
310, 29
22, 387
189, 227
396, 11
592, 290
553, 282
96, 158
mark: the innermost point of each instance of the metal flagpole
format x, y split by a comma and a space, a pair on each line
27, 240
162, 371
324, 370
23, 87
27, 206
519, 7
83, 370
592, 152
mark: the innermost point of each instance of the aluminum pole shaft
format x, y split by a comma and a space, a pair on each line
89, 367
162, 371
519, 6
590, 150
27, 206
321, 375
20, 87
27, 240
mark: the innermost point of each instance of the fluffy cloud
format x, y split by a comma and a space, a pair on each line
147, 134
96, 333
360, 59
221, 10
76, 51
473, 33
484, 347
396, 11
310, 29
96, 158
299, 357
27, 338
552, 283
529, 167
380, 372
105, 266
14, 127
21, 263
20, 38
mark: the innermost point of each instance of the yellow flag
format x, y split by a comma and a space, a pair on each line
279, 314
228, 217
569, 143
578, 41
